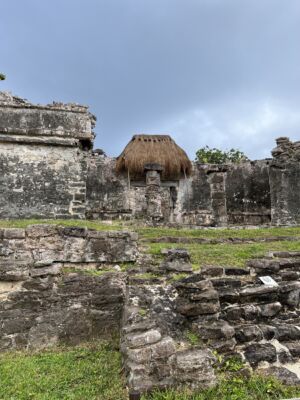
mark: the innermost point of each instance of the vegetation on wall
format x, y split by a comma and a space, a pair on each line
207, 155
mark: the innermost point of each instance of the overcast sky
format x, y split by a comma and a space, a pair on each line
222, 73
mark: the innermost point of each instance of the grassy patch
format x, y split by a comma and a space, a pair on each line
235, 388
177, 277
192, 338
98, 225
94, 372
217, 233
152, 233
225, 254
143, 312
85, 372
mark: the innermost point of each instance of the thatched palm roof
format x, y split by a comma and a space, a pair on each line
159, 149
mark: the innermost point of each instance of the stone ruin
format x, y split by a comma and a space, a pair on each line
65, 284
230, 312
50, 170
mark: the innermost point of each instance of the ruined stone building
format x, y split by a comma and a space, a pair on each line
50, 288
49, 170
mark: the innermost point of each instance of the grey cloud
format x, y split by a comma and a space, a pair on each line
204, 71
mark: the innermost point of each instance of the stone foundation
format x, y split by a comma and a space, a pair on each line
227, 310
51, 290
62, 285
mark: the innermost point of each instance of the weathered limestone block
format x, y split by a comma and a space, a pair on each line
47, 248
69, 308
230, 296
224, 346
216, 179
211, 271
255, 353
195, 367
286, 332
14, 270
259, 294
196, 296
48, 269
177, 260
227, 283
41, 230
14, 233
163, 349
193, 309
143, 339
242, 312
294, 348
214, 331
264, 266
292, 299
270, 309
248, 333
20, 117
72, 244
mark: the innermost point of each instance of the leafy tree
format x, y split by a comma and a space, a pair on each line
207, 155
2, 77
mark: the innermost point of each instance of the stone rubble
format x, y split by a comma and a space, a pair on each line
228, 310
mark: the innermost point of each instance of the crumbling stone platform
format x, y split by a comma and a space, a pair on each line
228, 310
51, 286
62, 285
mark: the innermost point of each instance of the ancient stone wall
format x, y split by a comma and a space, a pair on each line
42, 181
247, 190
218, 195
43, 159
112, 196
173, 327
62, 285
285, 182
215, 195
52, 288
107, 193
48, 170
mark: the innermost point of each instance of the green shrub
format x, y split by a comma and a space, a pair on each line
206, 155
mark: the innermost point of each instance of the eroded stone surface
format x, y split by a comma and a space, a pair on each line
41, 303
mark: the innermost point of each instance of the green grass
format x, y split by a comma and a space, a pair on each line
152, 233
98, 225
85, 372
234, 388
192, 338
234, 255
217, 233
93, 372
